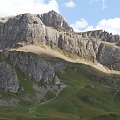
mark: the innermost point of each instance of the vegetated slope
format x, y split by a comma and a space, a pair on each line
41, 54
89, 95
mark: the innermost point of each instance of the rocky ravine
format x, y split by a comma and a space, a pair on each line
52, 30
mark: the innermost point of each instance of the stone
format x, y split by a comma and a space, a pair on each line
55, 20
109, 56
24, 28
8, 78
52, 30
33, 66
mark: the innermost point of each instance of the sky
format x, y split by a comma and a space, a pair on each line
82, 15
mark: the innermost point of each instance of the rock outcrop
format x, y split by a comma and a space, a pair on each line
25, 28
109, 55
17, 67
8, 78
35, 67
55, 20
103, 35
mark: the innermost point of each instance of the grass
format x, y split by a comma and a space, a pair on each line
25, 83
25, 89
14, 113
84, 98
112, 45
74, 101
49, 95
66, 53
5, 59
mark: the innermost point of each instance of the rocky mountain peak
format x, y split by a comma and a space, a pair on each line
55, 20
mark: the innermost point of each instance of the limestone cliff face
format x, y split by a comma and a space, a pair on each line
8, 78
109, 55
23, 69
24, 28
55, 20
103, 35
52, 30
35, 67
33, 29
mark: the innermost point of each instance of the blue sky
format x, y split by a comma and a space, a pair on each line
92, 11
82, 15
94, 14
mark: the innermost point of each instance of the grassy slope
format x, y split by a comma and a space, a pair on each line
74, 102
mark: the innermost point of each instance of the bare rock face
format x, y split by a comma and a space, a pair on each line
51, 29
55, 20
25, 28
83, 47
35, 67
32, 29
8, 78
37, 70
102, 35
109, 55
118, 43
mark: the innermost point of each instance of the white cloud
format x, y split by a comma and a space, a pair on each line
78, 25
88, 28
103, 3
109, 25
70, 4
14, 7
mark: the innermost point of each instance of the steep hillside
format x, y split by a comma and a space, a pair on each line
89, 95
48, 71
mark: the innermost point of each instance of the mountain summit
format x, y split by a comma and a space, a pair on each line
56, 21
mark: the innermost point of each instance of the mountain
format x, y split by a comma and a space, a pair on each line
48, 71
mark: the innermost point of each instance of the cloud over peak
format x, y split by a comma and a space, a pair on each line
111, 25
79, 25
14, 7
